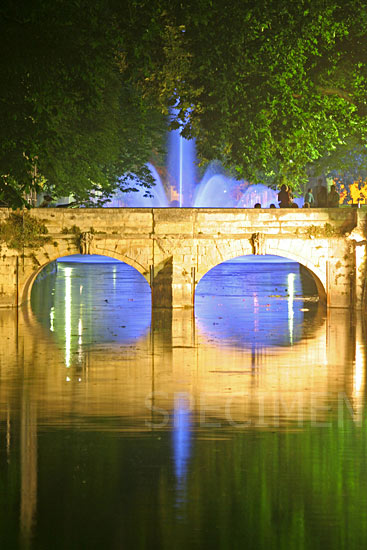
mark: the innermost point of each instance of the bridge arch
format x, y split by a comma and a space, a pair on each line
31, 275
274, 249
316, 273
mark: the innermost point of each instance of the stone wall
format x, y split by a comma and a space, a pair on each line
175, 247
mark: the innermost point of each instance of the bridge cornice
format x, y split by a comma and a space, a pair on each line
192, 221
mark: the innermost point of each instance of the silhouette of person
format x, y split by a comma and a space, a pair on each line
333, 197
47, 200
257, 205
321, 195
284, 197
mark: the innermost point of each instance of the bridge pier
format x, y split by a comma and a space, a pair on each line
172, 284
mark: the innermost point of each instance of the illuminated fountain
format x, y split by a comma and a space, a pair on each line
182, 188
140, 198
182, 176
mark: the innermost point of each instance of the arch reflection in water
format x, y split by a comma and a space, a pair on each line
90, 301
256, 301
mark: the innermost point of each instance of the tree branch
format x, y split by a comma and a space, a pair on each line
336, 91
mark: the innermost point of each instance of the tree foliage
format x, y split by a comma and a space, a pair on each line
21, 230
72, 123
268, 88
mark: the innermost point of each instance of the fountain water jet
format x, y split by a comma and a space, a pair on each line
156, 197
182, 177
182, 188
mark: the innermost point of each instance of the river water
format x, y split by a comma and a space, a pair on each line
243, 426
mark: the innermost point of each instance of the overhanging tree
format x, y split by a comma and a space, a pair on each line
268, 88
71, 121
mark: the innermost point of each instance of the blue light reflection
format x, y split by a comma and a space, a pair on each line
255, 302
181, 435
88, 301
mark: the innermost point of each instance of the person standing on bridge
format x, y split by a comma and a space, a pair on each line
309, 197
333, 198
284, 197
321, 195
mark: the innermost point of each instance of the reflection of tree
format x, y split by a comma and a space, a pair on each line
275, 488
28, 453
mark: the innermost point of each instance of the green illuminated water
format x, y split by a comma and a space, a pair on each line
244, 427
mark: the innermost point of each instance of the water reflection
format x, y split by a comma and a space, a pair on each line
82, 304
256, 304
173, 440
181, 435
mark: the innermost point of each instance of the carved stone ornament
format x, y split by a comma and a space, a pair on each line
85, 241
258, 244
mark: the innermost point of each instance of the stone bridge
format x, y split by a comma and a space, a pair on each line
173, 248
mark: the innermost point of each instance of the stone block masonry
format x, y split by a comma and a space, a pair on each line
175, 247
